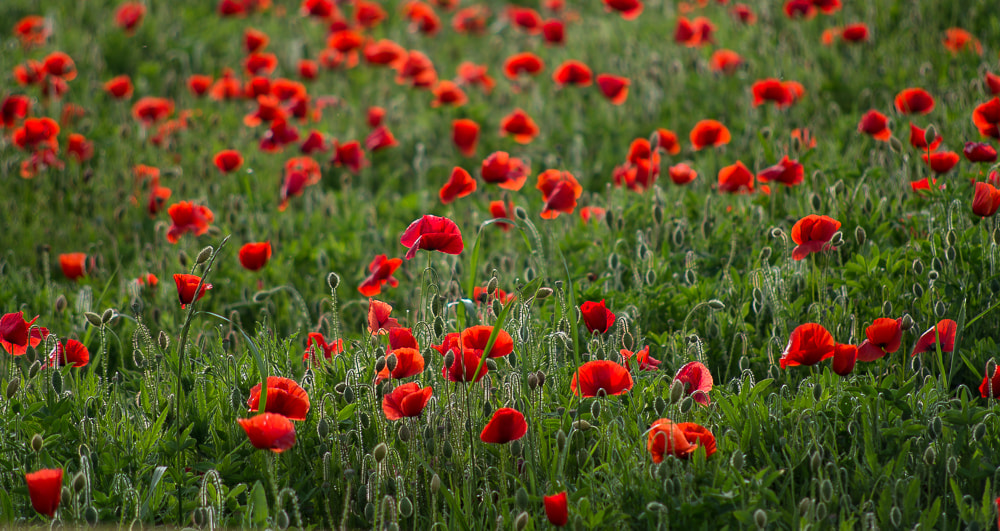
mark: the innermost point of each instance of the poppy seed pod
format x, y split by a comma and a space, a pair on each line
940, 309
541, 378
79, 482
895, 145
543, 293
906, 323
561, 440
737, 460
33, 370
805, 505
333, 280
930, 456
435, 483
91, 516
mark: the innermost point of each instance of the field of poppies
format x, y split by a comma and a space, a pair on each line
399, 265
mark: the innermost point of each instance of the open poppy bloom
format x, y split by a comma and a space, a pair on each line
560, 190
555, 509
958, 40
986, 200
506, 425
315, 142
269, 431
628, 9
228, 160
253, 256
73, 265
284, 397
402, 338
522, 63
614, 88
316, 340
432, 233
573, 72
32, 30
884, 336
188, 217
918, 139
943, 334
596, 316
990, 388
808, 344
349, 154
119, 87
460, 184
381, 269
407, 400
150, 110
525, 18
554, 32
736, 179
475, 338
800, 9
79, 148
60, 65
693, 33
643, 360
520, 125
697, 381
507, 172
876, 125
914, 101
642, 165
13, 109
499, 210
725, 61
129, 16
844, 358
45, 490
37, 133
473, 74
979, 152
380, 138
853, 33
782, 94
409, 362
788, 172
666, 437
186, 286
986, 116
682, 174
16, 334
465, 135
941, 161
708, 133
379, 321
601, 375
992, 83
812, 234
467, 361
472, 19
448, 93
72, 353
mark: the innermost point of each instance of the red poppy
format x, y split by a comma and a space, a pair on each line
986, 200
697, 381
345, 41
308, 69
499, 210
725, 61
505, 426
188, 217
643, 360
186, 286
993, 83
505, 171
231, 8
986, 116
918, 139
682, 174
72, 353
402, 338
269, 431
990, 388
782, 94
680, 440
407, 400
79, 148
465, 135
709, 133
448, 93
788, 172
599, 375
466, 363
158, 196
37, 133
520, 125
416, 69
596, 316
199, 84
254, 40
380, 138
292, 185
667, 141
476, 337
591, 212
844, 358
876, 125
73, 265
381, 269
349, 154
572, 72
884, 336
148, 279
554, 32
628, 9
560, 190
853, 33
379, 321
284, 397
316, 340
119, 87
150, 110
61, 65
45, 490
979, 152
941, 161
460, 184
473, 74
942, 333
800, 9
642, 164
525, 18
812, 234
827, 7
804, 137
32, 30
315, 142
614, 88
228, 160
808, 344
409, 362
253, 256
384, 52
432, 233
422, 17
914, 101
957, 40
16, 334
129, 16
13, 109
744, 14
471, 19
735, 179
555, 509
368, 14
522, 63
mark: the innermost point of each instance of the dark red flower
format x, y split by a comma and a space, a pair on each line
150, 110
560, 190
402, 338
598, 375
448, 93
460, 184
186, 286
45, 490
349, 154
32, 30
709, 133
37, 133
986, 200
407, 400
379, 321
812, 234
188, 217
596, 316
680, 440
284, 397
316, 340
269, 431
525, 18
697, 381
254, 256
73, 265
914, 101
808, 344
855, 32
942, 333
381, 269
129, 16
986, 116
736, 179
628, 9
505, 171
883, 337
992, 83
555, 509
465, 135
59, 64
79, 148
467, 361
614, 88
979, 152
941, 161
422, 17
472, 19
199, 84
14, 109
522, 63
876, 125
505, 426
681, 173
473, 74
520, 125
16, 334
725, 61
432, 233
315, 142
573, 72
781, 93
554, 32
119, 87
499, 210
380, 138
800, 9
254, 40
844, 358
643, 360
990, 388
788, 172
228, 160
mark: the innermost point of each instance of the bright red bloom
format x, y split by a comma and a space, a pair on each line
598, 375
402, 338
555, 509
573, 72
129, 16
560, 190
379, 321
697, 381
316, 340
505, 426
269, 431
914, 101
368, 14
520, 125
448, 93
499, 210
16, 334
228, 160
628, 9
292, 185
812, 234
554, 32
72, 353
473, 74
199, 84
119, 87
315, 142
643, 360
522, 63
990, 388
188, 217
725, 61
844, 358
993, 83
525, 18
284, 397
61, 65
827, 7
150, 110
231, 8
596, 316
782, 94
409, 362
591, 212
680, 440
884, 337
472, 19
254, 40
805, 138
432, 233
260, 64
505, 171
308, 69
614, 88
709, 133
941, 161
460, 184
422, 17
857, 32
186, 286
32, 30
36, 133
736, 178
943, 332
465, 135
979, 152
918, 139
476, 337
800, 9
957, 40
13, 109
380, 138
463, 369
682, 174
986, 117
876, 125
808, 344
349, 154
407, 400
73, 265
788, 172
986, 200
744, 14
79, 148
45, 490
254, 256
384, 52
381, 269
667, 141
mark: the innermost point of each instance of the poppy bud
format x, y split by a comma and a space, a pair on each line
737, 460
66, 497
60, 303
940, 309
895, 145
107, 316
93, 318
936, 426
933, 274
380, 451
204, 255
887, 308
760, 518
449, 359
333, 280
716, 304
492, 286
930, 456
91, 516
690, 277
895, 515
815, 201
405, 507
595, 409
439, 329
930, 134
837, 239
860, 236
659, 405
978, 432
650, 277
403, 433
520, 214
521, 497
522, 521
370, 511
380, 365
686, 405
765, 254
952, 465
33, 370
541, 378
391, 362
658, 214
543, 293
497, 306
918, 290
435, 483
918, 267
950, 254
676, 391
529, 273
991, 367
515, 448
490, 364
323, 428
805, 505
532, 381
36, 443
79, 482
936, 266
609, 219
57, 381
821, 511
817, 395
655, 507
12, 387
561, 440
906, 323
447, 451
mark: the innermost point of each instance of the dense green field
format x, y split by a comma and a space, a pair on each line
799, 313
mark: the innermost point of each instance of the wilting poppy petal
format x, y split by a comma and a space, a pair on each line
505, 426
269, 431
788, 172
315, 340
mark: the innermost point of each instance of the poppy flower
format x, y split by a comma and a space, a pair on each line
13, 109
231, 8
572, 72
402, 338
812, 234
16, 334
432, 233
914, 101
228, 160
941, 161
292, 185
72, 353
943, 332
957, 40
986, 200
788, 172
186, 286
800, 9
596, 316
560, 190
73, 265
199, 84
782, 94
554, 32
448, 93
979, 152
148, 279
158, 196
876, 125
520, 125
315, 340
844, 358
253, 256
381, 269
188, 217
415, 69
744, 14
407, 400
368, 14
736, 178
555, 509
119, 87
643, 360
522, 63
260, 63
697, 381
990, 388
473, 74
725, 61
854, 33
709, 133
808, 344
129, 16
986, 116
45, 490
32, 30
628, 9
460, 184
284, 397
379, 321
525, 18
269, 431
918, 139
59, 64
37, 133
682, 174
349, 154
614, 88
150, 110
409, 362
993, 83
463, 369
380, 138
591, 212
384, 52
680, 440
804, 138
827, 7
422, 17
471, 19
884, 336
598, 375
667, 141
79, 148
499, 210
505, 426
476, 337
465, 135
505, 171
254, 40
315, 142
